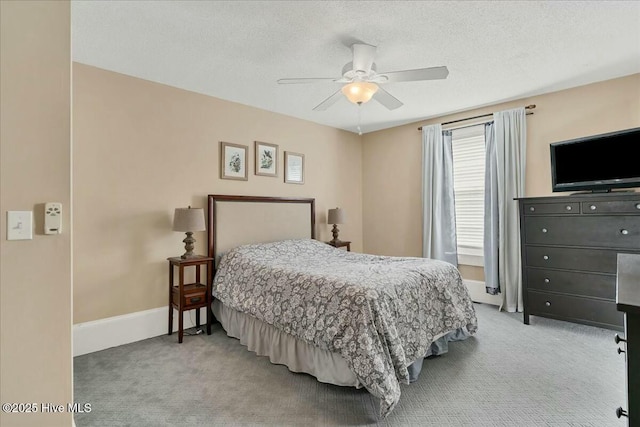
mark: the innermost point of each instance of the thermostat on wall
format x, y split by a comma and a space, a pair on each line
53, 218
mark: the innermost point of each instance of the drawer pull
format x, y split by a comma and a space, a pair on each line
532, 209
544, 230
195, 300
621, 412
637, 205
592, 207
548, 304
618, 340
568, 208
546, 280
624, 232
545, 257
620, 351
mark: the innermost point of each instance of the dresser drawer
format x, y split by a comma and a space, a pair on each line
584, 230
628, 206
597, 260
551, 208
574, 308
571, 282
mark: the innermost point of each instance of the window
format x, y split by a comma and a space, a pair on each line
468, 185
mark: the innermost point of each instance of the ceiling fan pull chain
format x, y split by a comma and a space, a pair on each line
359, 118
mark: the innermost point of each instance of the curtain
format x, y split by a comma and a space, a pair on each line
491, 234
505, 183
439, 217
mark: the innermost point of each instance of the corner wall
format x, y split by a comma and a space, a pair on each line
142, 149
35, 166
392, 170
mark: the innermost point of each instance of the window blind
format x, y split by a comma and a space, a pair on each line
468, 178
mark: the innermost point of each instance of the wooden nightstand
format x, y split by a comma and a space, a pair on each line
340, 245
189, 296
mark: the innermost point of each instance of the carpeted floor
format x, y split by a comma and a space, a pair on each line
549, 373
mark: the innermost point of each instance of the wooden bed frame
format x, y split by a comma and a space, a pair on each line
214, 203
242, 223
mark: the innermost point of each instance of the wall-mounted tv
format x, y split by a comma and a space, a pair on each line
597, 163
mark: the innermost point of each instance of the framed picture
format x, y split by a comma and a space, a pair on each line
266, 159
293, 168
233, 161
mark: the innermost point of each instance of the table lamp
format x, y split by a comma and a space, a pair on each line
336, 216
189, 220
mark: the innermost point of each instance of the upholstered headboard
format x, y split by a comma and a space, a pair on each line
240, 220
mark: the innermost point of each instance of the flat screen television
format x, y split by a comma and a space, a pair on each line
597, 163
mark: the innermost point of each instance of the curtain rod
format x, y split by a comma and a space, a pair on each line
528, 107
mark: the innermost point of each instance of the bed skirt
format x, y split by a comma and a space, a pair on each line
284, 349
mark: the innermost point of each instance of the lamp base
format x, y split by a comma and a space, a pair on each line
335, 239
188, 246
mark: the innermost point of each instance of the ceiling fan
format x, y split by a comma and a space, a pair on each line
362, 81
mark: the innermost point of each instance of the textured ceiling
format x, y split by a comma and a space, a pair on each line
495, 51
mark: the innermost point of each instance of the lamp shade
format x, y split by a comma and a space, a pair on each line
336, 216
188, 219
359, 92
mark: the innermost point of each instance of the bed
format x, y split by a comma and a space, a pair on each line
346, 318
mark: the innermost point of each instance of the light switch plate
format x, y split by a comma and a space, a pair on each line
19, 225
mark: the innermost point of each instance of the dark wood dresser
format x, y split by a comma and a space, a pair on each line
569, 254
628, 301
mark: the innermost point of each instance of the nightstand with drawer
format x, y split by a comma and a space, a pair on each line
569, 254
340, 244
189, 296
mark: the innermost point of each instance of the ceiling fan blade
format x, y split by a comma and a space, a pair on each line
363, 57
328, 102
386, 99
305, 80
432, 73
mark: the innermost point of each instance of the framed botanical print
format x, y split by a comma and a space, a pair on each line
266, 159
293, 168
233, 161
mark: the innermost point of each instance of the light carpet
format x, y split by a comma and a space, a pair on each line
549, 373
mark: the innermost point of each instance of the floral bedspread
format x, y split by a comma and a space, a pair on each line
380, 313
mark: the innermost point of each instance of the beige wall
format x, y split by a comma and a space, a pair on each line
35, 288
392, 171
142, 149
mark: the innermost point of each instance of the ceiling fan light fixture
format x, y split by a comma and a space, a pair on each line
359, 92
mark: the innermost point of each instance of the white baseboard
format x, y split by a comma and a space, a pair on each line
478, 293
114, 331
